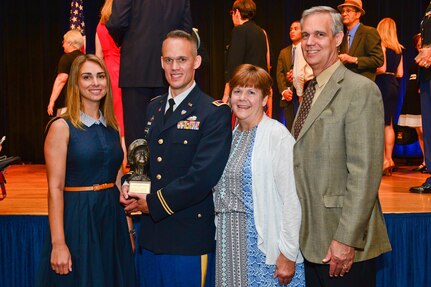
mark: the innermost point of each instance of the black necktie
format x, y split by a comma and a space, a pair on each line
305, 107
170, 109
293, 55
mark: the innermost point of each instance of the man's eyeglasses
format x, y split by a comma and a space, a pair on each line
348, 10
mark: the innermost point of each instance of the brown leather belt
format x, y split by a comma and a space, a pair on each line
94, 187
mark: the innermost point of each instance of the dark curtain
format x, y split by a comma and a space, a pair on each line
31, 45
31, 34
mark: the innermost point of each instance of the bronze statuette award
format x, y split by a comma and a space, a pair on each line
138, 156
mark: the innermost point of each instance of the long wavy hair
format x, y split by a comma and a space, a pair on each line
106, 11
73, 98
388, 33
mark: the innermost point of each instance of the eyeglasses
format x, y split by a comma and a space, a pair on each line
348, 10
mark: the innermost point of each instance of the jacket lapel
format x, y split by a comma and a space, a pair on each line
324, 99
184, 110
155, 122
356, 40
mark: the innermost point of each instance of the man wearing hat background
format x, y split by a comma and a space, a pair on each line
361, 50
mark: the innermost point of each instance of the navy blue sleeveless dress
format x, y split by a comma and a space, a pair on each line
389, 86
95, 224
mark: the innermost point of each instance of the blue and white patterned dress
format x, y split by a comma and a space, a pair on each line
239, 262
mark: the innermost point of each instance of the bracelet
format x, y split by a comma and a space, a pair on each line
132, 232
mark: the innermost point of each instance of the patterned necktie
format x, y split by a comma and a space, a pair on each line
307, 100
348, 42
170, 110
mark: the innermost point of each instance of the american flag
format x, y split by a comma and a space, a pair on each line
76, 20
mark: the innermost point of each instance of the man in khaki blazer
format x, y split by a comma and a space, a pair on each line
338, 162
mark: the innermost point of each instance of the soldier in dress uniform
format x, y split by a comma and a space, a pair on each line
189, 138
423, 59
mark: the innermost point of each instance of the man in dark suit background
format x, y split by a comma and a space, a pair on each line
363, 52
188, 152
290, 79
139, 27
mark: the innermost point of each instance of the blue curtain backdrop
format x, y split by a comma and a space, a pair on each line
408, 264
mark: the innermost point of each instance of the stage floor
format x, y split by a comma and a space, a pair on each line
27, 191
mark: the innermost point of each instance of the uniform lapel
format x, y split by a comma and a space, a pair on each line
324, 99
155, 121
184, 110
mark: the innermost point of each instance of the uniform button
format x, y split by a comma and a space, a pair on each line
185, 142
160, 141
159, 159
199, 215
159, 176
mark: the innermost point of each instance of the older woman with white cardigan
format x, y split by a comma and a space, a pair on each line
258, 214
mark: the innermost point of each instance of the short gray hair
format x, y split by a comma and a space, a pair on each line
337, 24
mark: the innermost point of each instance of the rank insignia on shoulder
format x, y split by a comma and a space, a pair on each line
219, 103
155, 98
188, 125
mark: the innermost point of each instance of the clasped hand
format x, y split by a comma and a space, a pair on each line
133, 202
346, 59
423, 59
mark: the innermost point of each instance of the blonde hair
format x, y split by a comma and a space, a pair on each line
73, 98
106, 11
388, 33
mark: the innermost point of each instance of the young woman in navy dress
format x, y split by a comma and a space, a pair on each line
88, 243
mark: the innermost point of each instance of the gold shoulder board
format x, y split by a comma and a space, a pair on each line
219, 103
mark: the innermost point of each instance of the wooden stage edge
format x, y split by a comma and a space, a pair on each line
27, 191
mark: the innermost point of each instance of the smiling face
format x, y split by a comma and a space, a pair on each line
248, 105
92, 82
318, 44
179, 61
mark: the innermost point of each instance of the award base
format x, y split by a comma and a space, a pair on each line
139, 187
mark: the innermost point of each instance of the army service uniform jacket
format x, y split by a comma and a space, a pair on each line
188, 154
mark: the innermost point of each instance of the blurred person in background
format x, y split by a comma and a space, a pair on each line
73, 41
387, 81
